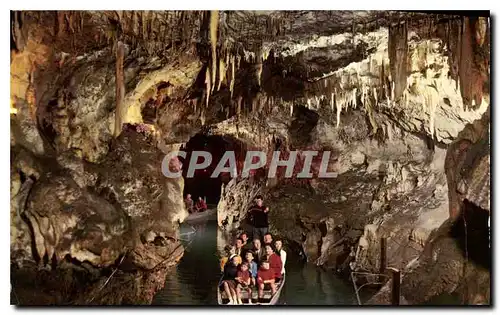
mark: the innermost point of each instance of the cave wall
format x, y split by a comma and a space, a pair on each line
388, 91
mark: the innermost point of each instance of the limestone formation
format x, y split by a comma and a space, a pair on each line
401, 101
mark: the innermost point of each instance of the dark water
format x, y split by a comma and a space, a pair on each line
307, 284
195, 279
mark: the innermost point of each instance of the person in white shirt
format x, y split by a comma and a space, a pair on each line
279, 250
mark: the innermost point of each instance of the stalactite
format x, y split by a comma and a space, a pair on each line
202, 117
61, 23
231, 85
207, 85
222, 73
120, 88
214, 25
339, 109
332, 100
473, 69
240, 99
354, 97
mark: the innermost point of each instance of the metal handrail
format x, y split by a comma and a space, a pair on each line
357, 289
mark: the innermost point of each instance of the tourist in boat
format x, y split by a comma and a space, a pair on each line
265, 276
246, 244
228, 279
238, 247
278, 245
258, 251
230, 251
259, 218
243, 280
201, 205
274, 260
268, 239
252, 265
189, 203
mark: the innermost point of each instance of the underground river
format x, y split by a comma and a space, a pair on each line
194, 280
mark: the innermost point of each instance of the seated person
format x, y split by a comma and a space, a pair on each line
258, 251
274, 260
189, 203
268, 239
265, 276
281, 253
243, 280
252, 265
200, 205
228, 251
228, 280
246, 244
238, 244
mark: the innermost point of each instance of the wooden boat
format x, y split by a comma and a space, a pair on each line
199, 216
268, 299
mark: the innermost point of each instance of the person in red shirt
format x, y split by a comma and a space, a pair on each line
274, 260
265, 276
243, 279
200, 205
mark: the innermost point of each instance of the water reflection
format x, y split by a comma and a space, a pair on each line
194, 280
307, 284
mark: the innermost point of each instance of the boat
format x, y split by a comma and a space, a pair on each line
199, 216
268, 299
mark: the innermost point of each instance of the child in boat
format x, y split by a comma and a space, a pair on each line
274, 260
265, 276
281, 253
243, 280
228, 280
246, 244
252, 266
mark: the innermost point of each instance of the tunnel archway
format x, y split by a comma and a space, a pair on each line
202, 184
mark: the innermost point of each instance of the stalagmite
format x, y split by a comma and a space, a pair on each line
120, 89
332, 101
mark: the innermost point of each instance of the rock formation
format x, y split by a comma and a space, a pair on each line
401, 100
